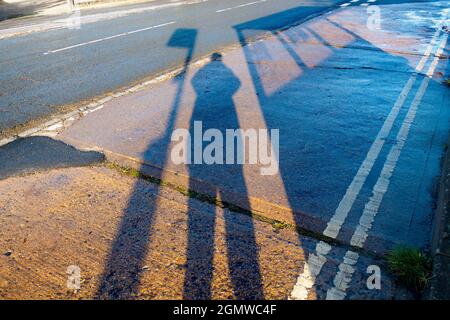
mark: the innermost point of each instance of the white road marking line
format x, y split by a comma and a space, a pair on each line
370, 1
437, 56
311, 270
343, 277
110, 37
346, 269
304, 280
89, 18
345, 5
240, 6
382, 184
345, 205
427, 52
364, 4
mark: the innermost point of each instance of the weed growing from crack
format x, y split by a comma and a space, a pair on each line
411, 266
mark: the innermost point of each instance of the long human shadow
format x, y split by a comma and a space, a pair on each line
122, 271
214, 109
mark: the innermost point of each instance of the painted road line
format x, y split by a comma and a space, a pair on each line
371, 1
354, 1
303, 284
437, 56
109, 38
346, 268
240, 6
343, 277
427, 52
346, 203
89, 18
345, 5
311, 270
382, 184
352, 192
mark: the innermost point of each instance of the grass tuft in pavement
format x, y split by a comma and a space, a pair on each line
411, 266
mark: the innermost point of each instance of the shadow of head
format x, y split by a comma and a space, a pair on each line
215, 83
216, 56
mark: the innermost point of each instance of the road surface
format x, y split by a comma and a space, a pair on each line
44, 70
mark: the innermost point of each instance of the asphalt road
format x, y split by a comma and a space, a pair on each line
43, 71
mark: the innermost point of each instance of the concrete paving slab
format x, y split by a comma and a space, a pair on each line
329, 86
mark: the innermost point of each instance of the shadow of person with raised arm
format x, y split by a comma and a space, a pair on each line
215, 84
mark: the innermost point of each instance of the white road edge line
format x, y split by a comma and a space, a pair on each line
108, 38
345, 5
344, 276
313, 266
240, 6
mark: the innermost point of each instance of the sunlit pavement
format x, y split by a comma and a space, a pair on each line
71, 217
363, 121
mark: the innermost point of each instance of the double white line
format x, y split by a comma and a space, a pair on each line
306, 280
346, 269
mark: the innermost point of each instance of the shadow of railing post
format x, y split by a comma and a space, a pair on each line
122, 272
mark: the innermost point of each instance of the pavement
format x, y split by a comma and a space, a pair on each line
129, 238
13, 9
363, 123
